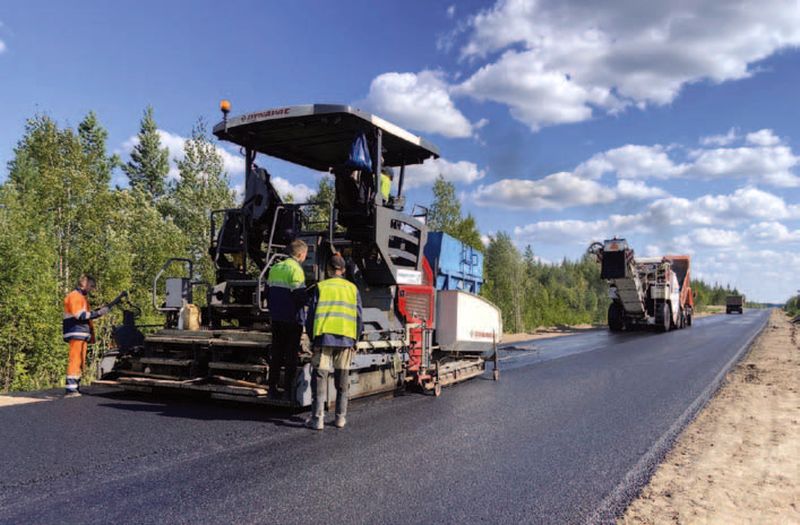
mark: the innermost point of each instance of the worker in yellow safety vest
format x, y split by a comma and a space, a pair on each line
286, 299
334, 325
387, 175
78, 329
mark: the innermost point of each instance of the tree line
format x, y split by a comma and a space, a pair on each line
61, 216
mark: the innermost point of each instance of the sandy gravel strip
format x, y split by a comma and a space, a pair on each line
739, 461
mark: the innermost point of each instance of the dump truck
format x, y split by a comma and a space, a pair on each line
424, 325
645, 291
734, 303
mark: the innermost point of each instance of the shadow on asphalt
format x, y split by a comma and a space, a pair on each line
201, 409
198, 407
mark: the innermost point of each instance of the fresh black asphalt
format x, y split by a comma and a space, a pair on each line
556, 439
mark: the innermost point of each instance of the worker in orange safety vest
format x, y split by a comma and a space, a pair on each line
79, 330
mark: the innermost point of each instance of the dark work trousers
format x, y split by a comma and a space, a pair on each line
284, 353
319, 388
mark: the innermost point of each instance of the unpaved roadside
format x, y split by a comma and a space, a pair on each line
739, 461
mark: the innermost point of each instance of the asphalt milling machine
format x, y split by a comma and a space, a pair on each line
424, 325
645, 292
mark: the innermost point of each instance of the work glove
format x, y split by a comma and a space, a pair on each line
102, 311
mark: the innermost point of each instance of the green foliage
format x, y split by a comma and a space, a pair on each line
149, 165
31, 351
792, 306
203, 187
531, 293
59, 218
319, 216
707, 294
445, 215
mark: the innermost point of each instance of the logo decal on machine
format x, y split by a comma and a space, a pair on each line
282, 112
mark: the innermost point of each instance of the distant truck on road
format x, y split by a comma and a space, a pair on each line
734, 303
645, 291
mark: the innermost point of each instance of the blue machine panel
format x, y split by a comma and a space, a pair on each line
455, 265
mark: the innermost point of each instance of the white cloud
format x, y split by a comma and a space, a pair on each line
425, 174
772, 232
2, 46
720, 140
663, 216
632, 162
419, 101
300, 192
578, 231
715, 237
535, 96
635, 189
770, 164
580, 187
763, 137
559, 190
451, 11
562, 60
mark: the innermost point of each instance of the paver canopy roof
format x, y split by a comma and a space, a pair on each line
319, 136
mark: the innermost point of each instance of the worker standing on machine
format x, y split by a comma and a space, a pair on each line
334, 323
78, 329
387, 174
286, 281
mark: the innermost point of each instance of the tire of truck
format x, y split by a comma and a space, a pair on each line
663, 317
616, 319
681, 319
688, 320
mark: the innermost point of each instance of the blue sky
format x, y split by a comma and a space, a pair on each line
674, 124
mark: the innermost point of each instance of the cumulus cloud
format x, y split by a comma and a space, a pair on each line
300, 192
559, 190
638, 190
715, 237
765, 159
560, 61
425, 174
720, 140
2, 46
705, 214
763, 137
772, 232
632, 162
771, 164
578, 231
419, 101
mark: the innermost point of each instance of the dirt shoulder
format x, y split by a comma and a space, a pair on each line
739, 461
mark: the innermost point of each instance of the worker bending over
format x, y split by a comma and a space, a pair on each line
287, 298
79, 329
334, 323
